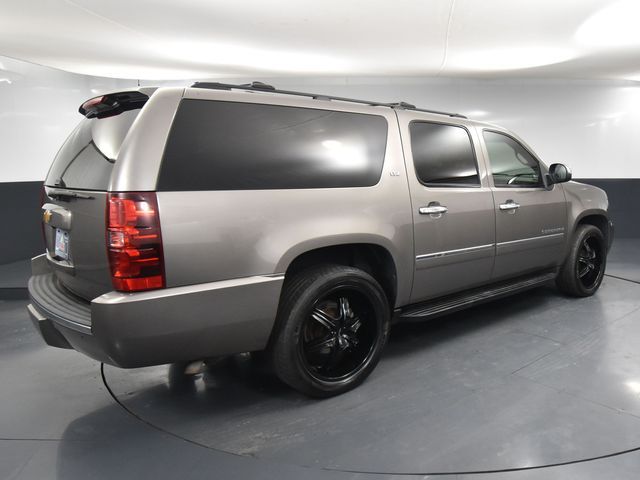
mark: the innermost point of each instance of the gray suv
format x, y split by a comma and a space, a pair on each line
186, 223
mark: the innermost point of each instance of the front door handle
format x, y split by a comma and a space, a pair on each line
434, 208
510, 205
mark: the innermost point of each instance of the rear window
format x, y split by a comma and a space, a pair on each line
217, 145
86, 159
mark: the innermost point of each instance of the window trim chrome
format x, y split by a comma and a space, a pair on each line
456, 251
530, 239
476, 248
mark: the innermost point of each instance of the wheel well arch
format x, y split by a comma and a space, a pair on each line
374, 259
599, 220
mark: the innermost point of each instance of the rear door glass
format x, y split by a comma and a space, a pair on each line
86, 159
443, 155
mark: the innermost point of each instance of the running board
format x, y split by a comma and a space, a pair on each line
451, 303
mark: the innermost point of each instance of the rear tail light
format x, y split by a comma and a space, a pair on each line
134, 241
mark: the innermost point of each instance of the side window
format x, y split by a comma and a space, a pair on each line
443, 155
215, 145
511, 164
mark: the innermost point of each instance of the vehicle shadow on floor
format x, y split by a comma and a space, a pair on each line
237, 405
493, 315
109, 443
237, 381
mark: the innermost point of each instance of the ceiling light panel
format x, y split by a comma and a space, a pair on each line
614, 25
503, 35
165, 39
230, 38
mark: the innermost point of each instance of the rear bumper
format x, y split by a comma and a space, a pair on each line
158, 326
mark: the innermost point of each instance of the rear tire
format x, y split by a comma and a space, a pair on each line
583, 270
332, 325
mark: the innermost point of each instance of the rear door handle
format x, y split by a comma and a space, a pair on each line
510, 205
433, 209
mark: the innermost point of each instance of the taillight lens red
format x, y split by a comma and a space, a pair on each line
134, 241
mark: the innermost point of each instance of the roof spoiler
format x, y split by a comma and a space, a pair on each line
112, 104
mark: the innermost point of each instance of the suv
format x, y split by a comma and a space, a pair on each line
186, 223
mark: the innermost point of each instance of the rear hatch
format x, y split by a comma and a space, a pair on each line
75, 196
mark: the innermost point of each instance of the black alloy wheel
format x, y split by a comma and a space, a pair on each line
332, 324
338, 336
589, 264
583, 269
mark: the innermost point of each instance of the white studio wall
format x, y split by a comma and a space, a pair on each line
589, 125
38, 110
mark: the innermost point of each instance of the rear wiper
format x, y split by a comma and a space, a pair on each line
67, 194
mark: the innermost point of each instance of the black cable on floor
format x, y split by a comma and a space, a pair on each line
622, 278
155, 427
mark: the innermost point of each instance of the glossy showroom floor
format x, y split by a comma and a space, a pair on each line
530, 381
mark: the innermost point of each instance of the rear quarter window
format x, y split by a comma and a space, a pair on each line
215, 145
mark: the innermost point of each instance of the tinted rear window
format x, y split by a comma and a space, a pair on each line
443, 155
243, 146
86, 159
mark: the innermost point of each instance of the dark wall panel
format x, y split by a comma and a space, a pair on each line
624, 203
20, 232
21, 237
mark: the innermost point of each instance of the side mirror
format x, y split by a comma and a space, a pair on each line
559, 173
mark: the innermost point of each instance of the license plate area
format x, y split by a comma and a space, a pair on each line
61, 249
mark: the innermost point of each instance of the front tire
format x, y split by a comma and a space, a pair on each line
332, 325
583, 270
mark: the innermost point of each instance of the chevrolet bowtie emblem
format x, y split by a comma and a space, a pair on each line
46, 216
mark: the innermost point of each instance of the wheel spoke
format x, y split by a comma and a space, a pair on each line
343, 303
354, 324
590, 251
325, 320
318, 345
588, 266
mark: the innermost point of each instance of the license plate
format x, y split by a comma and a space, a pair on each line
62, 244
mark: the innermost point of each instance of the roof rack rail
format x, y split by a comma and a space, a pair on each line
263, 87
